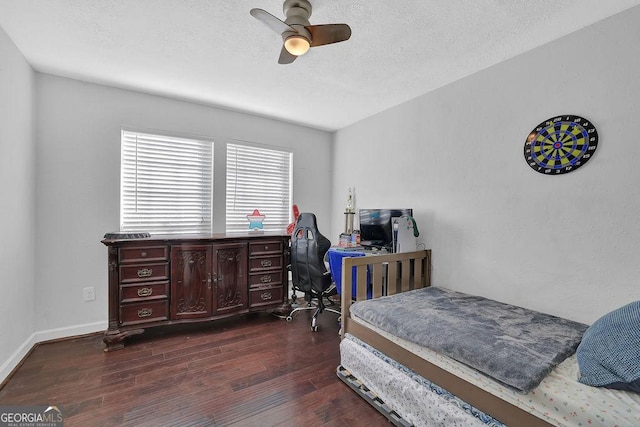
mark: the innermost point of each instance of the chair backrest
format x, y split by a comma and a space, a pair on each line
308, 248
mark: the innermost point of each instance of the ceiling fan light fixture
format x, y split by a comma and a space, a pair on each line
297, 45
298, 35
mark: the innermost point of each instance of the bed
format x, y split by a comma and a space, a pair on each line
434, 384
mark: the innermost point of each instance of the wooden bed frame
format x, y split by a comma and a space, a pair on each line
395, 273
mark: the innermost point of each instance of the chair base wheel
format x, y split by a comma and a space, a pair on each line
314, 329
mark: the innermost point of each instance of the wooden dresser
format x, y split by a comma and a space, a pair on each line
164, 280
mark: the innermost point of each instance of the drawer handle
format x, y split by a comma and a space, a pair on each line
265, 279
145, 312
143, 254
266, 296
145, 272
145, 292
266, 263
266, 247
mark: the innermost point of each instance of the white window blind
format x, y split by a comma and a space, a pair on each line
258, 178
166, 184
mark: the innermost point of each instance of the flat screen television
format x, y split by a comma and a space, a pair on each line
376, 228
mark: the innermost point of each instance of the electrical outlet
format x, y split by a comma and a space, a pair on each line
89, 293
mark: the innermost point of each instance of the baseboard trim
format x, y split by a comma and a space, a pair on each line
71, 331
15, 360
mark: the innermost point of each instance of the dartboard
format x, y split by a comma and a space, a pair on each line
561, 144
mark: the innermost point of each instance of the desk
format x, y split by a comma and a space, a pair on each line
335, 257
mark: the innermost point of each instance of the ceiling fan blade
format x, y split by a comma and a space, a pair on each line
329, 33
271, 21
286, 57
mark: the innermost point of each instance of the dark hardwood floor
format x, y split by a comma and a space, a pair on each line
254, 370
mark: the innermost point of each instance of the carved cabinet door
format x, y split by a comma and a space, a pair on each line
230, 285
191, 281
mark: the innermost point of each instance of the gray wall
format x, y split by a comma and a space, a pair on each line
62, 185
78, 182
565, 244
74, 197
17, 205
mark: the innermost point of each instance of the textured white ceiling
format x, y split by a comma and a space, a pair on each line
213, 52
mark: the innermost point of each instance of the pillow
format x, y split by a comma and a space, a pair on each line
609, 354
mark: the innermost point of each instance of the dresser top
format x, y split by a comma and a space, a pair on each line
123, 238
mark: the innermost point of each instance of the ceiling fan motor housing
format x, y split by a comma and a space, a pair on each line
298, 13
300, 8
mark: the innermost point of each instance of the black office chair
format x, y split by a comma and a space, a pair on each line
308, 270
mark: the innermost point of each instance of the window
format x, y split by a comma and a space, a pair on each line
258, 178
166, 184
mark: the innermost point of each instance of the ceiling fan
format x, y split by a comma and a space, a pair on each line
298, 35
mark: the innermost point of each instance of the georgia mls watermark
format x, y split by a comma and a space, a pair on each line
31, 416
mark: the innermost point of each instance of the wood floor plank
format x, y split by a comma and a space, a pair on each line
244, 371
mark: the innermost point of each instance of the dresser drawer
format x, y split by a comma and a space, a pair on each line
266, 247
270, 278
144, 312
144, 292
144, 272
265, 296
271, 262
142, 254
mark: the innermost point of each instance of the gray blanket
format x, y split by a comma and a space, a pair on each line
514, 345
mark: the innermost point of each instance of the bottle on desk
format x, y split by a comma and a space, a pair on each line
349, 240
355, 238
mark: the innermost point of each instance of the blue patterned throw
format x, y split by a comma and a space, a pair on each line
609, 354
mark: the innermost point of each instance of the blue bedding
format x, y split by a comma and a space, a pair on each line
511, 344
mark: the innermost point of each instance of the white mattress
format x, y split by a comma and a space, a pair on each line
400, 391
559, 399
